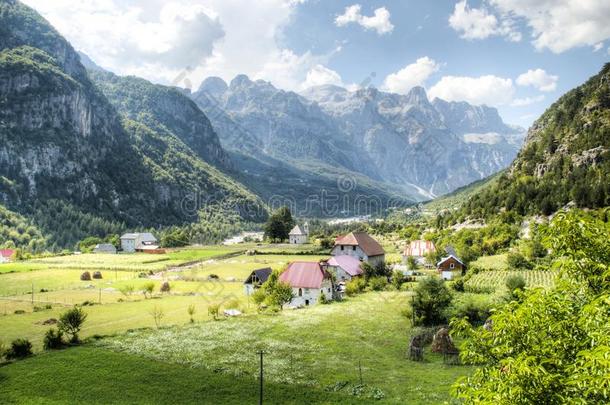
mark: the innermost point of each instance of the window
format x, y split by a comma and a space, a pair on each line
300, 292
328, 289
452, 265
354, 248
342, 247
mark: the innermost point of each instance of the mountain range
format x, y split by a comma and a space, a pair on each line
86, 152
420, 147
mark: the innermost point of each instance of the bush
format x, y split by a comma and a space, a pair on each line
517, 261
378, 283
165, 287
148, 289
397, 279
458, 285
214, 310
476, 308
432, 297
515, 283
20, 349
97, 275
86, 276
71, 322
355, 286
53, 339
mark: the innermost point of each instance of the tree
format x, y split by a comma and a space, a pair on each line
281, 295
278, 225
157, 314
191, 311
411, 263
517, 261
551, 346
432, 297
86, 245
514, 283
71, 322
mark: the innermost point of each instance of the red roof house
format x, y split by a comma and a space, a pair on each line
6, 254
419, 248
304, 275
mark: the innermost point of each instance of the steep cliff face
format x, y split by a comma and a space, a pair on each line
61, 139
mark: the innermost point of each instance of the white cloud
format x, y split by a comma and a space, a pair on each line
490, 90
598, 46
539, 79
479, 23
379, 21
159, 40
522, 102
410, 76
557, 25
320, 75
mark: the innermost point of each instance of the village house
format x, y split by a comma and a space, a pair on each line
104, 248
6, 255
361, 246
256, 279
344, 267
419, 250
138, 242
450, 267
309, 280
298, 235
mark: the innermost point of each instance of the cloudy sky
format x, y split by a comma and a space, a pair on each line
516, 55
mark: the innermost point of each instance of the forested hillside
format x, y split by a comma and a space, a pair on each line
566, 157
75, 166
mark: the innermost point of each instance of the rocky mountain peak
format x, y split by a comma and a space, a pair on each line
214, 85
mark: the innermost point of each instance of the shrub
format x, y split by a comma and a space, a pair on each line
516, 260
432, 297
126, 290
476, 308
19, 312
213, 277
148, 289
214, 310
53, 339
515, 283
157, 314
355, 286
397, 279
86, 276
458, 285
20, 348
323, 299
191, 311
97, 275
378, 283
165, 287
71, 322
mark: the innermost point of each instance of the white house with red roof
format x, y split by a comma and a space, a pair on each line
309, 280
344, 267
5, 255
361, 246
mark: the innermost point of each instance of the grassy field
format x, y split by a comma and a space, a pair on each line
56, 283
307, 352
495, 262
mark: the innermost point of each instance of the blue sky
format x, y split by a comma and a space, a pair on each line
516, 55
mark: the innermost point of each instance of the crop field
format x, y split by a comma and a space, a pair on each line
35, 292
495, 262
495, 280
315, 354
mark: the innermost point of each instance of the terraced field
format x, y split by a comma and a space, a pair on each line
496, 279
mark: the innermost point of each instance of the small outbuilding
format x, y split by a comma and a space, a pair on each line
450, 267
256, 279
107, 248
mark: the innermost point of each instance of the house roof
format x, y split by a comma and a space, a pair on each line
143, 237
349, 264
129, 236
261, 274
419, 248
105, 246
297, 231
6, 252
304, 275
368, 245
444, 259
